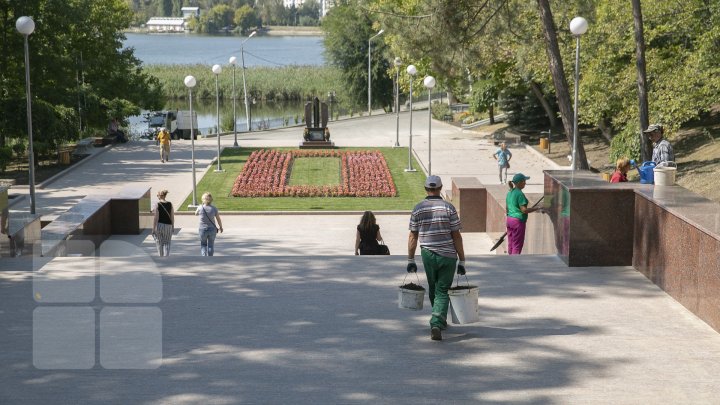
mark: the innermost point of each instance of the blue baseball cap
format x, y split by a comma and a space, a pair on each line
519, 177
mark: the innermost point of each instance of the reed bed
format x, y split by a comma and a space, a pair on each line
287, 83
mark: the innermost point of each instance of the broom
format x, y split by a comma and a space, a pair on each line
502, 238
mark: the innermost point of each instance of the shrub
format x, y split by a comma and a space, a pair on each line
6, 154
439, 110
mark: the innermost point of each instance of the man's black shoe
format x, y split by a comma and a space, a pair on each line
435, 333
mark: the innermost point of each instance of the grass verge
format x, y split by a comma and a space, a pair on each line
409, 186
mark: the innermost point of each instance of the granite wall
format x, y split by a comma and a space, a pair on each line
592, 219
468, 196
676, 246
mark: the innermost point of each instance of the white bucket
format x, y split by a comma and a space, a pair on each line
665, 174
464, 305
411, 299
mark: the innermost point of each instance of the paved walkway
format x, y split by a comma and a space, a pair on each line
286, 314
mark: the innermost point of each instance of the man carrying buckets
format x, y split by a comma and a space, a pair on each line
436, 223
662, 150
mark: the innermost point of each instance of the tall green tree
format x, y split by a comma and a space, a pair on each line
347, 30
76, 50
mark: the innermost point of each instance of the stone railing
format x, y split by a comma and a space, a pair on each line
482, 209
668, 233
95, 218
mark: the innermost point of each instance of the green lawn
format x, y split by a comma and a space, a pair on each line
315, 171
409, 187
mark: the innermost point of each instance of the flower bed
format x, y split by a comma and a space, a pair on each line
266, 174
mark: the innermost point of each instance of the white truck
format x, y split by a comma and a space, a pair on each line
178, 122
180, 128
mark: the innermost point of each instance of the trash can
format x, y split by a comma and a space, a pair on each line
64, 157
543, 143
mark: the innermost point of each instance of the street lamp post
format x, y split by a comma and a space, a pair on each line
247, 106
578, 26
190, 83
412, 71
398, 63
25, 26
429, 83
233, 62
217, 69
370, 70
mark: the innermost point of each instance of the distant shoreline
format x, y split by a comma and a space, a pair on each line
291, 31
271, 31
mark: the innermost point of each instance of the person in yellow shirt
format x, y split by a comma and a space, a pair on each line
164, 140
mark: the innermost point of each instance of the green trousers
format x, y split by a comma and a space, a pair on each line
440, 271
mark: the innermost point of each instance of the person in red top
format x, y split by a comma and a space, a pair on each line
621, 168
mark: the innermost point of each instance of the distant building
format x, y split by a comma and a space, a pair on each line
166, 24
325, 5
190, 12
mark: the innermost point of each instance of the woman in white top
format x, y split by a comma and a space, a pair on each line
209, 216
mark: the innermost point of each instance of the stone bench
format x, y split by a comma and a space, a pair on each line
94, 219
20, 231
507, 137
84, 146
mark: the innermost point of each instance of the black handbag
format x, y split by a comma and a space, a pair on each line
382, 249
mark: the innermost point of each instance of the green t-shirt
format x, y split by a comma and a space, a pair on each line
515, 198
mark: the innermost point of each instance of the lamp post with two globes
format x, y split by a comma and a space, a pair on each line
412, 71
217, 69
190, 82
429, 83
26, 26
578, 26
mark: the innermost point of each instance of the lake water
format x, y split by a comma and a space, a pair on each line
181, 49
174, 49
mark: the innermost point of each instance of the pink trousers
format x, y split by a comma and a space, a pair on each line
515, 235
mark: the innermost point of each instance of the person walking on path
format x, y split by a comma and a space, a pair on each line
208, 229
503, 156
662, 150
367, 235
435, 223
163, 224
517, 212
164, 141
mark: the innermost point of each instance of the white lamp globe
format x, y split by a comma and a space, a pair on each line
412, 70
233, 60
217, 69
398, 61
429, 82
578, 26
25, 25
190, 81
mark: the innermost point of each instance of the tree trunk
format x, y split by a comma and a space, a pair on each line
491, 112
559, 80
451, 98
605, 129
537, 91
642, 79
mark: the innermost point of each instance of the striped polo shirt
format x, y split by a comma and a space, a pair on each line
434, 219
